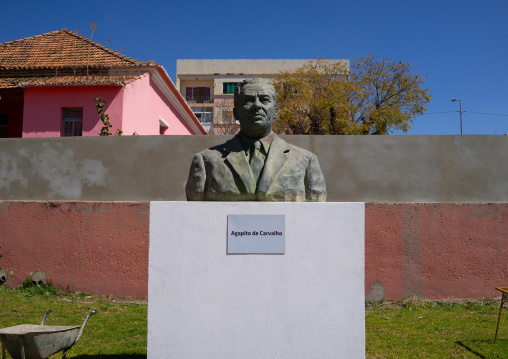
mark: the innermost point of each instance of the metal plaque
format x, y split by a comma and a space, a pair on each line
251, 234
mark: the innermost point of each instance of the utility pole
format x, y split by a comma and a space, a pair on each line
460, 103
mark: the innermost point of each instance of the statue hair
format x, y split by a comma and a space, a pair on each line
255, 80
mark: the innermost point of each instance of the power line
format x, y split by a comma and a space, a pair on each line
479, 113
433, 113
486, 113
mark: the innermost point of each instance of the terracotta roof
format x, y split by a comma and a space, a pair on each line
64, 58
58, 49
69, 81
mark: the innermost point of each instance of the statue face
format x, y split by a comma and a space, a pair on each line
256, 110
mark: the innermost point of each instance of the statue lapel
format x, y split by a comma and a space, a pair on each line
238, 162
277, 157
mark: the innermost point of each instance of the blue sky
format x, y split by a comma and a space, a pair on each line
461, 46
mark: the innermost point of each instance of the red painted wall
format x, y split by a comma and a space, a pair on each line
98, 248
435, 251
43, 109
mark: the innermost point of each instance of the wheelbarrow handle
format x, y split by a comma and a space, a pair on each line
84, 323
44, 316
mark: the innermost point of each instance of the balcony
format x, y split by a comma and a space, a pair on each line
199, 99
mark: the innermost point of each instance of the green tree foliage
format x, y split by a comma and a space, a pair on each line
376, 97
309, 97
105, 130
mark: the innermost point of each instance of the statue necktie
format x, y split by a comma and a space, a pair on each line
256, 162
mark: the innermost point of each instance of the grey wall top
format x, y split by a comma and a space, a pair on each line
356, 168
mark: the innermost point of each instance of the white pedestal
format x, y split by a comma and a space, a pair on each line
306, 303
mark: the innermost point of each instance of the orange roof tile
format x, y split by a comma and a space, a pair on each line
62, 48
69, 81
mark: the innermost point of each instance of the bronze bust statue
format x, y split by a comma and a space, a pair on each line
255, 165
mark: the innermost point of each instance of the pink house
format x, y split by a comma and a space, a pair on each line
48, 84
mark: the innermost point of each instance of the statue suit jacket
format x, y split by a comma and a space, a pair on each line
222, 173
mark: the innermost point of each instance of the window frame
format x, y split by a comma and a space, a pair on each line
68, 117
203, 113
228, 88
200, 94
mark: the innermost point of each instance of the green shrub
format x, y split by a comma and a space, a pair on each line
29, 288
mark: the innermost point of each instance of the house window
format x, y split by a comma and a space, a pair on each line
72, 122
203, 114
228, 88
198, 94
3, 125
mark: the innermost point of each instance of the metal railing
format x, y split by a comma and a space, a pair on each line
199, 99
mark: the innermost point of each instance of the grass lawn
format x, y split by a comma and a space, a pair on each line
436, 330
405, 330
117, 331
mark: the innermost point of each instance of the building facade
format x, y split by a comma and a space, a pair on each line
48, 84
208, 85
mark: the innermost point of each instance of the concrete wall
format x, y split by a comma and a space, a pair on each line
436, 218
382, 169
433, 250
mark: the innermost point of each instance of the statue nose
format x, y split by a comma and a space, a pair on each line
257, 103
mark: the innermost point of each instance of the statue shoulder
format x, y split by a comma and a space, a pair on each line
295, 150
218, 150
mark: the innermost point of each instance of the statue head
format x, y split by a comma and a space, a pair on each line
255, 107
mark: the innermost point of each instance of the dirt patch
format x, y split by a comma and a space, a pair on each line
413, 299
102, 298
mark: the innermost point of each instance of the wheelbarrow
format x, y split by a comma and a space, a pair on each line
27, 341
